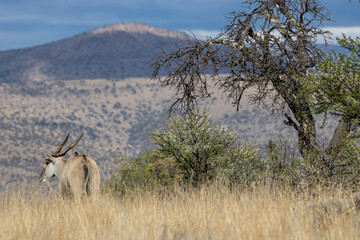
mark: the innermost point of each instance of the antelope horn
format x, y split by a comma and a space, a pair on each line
57, 151
69, 147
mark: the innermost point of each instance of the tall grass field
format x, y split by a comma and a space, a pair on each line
213, 212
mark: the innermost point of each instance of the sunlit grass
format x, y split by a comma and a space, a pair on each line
209, 213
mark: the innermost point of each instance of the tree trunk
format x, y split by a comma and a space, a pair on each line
342, 130
305, 122
306, 130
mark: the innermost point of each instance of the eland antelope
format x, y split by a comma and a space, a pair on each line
78, 175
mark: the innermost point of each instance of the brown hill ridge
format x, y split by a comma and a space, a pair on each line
115, 51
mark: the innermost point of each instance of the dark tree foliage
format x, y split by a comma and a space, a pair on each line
266, 47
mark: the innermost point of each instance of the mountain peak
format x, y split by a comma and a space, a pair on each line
116, 51
138, 27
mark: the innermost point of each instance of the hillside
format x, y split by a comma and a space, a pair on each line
116, 51
116, 117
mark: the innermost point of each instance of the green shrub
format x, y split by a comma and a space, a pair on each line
193, 150
283, 162
337, 167
196, 144
242, 165
149, 170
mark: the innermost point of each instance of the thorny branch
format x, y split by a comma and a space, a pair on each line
265, 48
275, 38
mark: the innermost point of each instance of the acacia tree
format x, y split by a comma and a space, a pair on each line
269, 47
335, 88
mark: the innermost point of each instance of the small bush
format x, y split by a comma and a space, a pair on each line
191, 150
149, 170
196, 144
283, 163
242, 165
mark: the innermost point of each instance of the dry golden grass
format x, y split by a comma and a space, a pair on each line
209, 213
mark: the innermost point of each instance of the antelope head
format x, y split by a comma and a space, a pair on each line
51, 163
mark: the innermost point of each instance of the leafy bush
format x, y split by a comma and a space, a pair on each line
242, 165
191, 150
284, 165
337, 167
149, 170
196, 144
283, 162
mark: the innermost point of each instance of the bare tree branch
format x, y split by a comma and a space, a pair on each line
265, 48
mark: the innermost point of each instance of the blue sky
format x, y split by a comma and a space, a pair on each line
25, 23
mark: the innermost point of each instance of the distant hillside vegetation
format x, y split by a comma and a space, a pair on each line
116, 51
